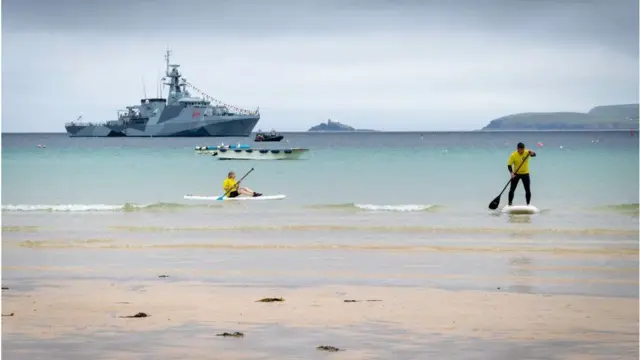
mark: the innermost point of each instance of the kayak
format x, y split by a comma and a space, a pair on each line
237, 198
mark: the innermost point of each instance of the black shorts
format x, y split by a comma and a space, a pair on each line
233, 194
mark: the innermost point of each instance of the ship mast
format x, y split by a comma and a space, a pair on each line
175, 91
166, 58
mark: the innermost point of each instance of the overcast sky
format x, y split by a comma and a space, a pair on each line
387, 65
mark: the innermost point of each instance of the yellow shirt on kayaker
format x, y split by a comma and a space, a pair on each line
229, 184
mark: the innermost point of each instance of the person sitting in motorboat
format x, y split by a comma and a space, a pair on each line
231, 187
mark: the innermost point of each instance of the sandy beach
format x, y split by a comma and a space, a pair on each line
55, 311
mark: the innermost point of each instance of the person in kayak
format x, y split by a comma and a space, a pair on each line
231, 187
515, 160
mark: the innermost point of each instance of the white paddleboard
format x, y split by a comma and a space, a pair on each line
520, 209
238, 198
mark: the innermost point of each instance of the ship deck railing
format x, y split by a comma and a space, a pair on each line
73, 123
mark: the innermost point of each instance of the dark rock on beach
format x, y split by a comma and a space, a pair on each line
328, 348
138, 315
235, 334
270, 300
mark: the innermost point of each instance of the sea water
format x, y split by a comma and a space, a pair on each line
352, 194
574, 175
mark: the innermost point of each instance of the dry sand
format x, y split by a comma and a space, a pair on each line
83, 307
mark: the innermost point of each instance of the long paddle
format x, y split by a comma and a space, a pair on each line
494, 204
237, 184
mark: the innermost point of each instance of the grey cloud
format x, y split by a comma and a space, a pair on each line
434, 64
613, 24
612, 21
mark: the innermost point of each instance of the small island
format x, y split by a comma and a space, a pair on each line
334, 126
608, 117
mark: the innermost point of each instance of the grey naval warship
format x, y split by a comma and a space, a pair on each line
180, 114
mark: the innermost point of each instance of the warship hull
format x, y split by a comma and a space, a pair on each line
178, 115
94, 131
203, 128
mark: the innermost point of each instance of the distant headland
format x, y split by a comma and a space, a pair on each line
608, 117
334, 126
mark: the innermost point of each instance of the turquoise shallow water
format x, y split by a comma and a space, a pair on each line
578, 177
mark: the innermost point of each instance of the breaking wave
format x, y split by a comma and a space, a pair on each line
131, 207
632, 209
127, 207
407, 207
375, 207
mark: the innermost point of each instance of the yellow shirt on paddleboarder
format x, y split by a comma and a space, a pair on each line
515, 160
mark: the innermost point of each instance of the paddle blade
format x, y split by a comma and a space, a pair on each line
494, 204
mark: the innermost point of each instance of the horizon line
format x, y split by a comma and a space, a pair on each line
349, 132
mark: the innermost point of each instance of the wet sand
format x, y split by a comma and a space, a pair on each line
423, 319
485, 292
